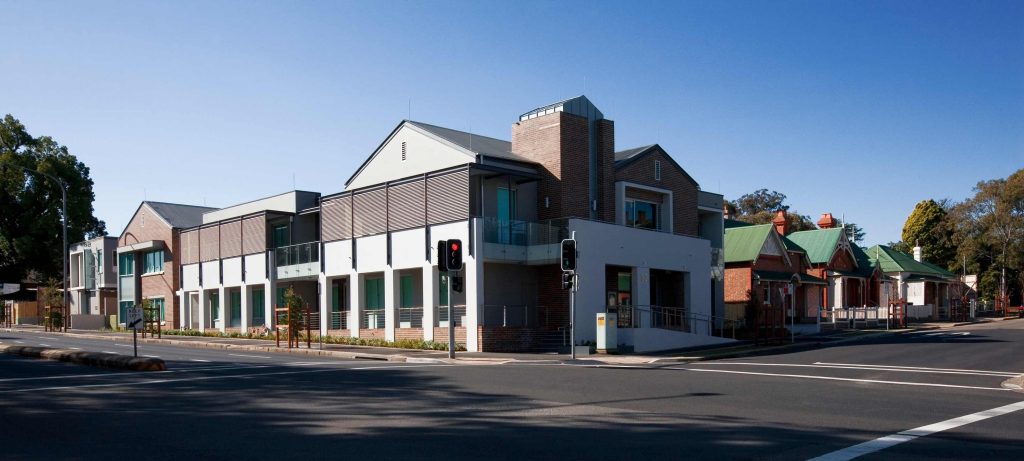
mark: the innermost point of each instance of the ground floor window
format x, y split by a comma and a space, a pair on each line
158, 303
215, 306
259, 303
122, 310
235, 317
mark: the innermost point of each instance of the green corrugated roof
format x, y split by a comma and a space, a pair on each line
865, 266
819, 243
897, 261
744, 243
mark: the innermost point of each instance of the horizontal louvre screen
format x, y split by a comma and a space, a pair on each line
190, 247
209, 247
369, 215
405, 205
448, 197
337, 219
254, 235
231, 239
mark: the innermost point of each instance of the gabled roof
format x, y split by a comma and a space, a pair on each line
624, 158
178, 215
743, 244
865, 265
473, 145
820, 244
892, 260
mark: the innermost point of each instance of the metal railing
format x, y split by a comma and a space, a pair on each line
302, 253
410, 317
371, 318
672, 318
521, 233
508, 315
338, 320
442, 314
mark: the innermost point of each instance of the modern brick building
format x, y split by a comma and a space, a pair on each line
366, 259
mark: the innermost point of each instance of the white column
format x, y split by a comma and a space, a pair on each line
183, 310
473, 285
642, 294
222, 303
355, 292
391, 293
269, 298
246, 317
430, 298
325, 304
202, 309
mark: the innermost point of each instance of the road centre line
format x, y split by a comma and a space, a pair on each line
832, 378
1011, 373
208, 378
45, 345
122, 345
882, 443
873, 368
111, 352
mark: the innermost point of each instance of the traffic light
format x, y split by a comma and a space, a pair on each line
568, 255
442, 260
566, 281
453, 255
457, 284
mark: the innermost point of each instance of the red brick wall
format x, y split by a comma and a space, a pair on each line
441, 335
553, 308
559, 142
842, 261
684, 190
606, 170
408, 333
772, 263
737, 283
156, 285
377, 333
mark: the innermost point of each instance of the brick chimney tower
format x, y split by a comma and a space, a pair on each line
826, 221
575, 146
781, 222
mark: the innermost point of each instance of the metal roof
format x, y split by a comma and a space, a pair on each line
744, 244
178, 215
820, 244
475, 143
892, 260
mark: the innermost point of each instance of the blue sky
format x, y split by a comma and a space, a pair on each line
861, 109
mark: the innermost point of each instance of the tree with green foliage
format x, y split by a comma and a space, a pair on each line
31, 239
760, 206
989, 229
926, 227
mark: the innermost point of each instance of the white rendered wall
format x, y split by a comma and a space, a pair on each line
602, 244
232, 271
190, 277
255, 268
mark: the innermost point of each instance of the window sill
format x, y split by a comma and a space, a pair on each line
147, 274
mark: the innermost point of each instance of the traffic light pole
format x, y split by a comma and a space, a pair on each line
451, 318
572, 317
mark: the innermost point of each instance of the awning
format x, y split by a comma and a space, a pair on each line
808, 278
148, 245
773, 276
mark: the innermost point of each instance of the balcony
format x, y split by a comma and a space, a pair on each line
297, 261
525, 242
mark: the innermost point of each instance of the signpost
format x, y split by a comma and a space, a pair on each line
134, 321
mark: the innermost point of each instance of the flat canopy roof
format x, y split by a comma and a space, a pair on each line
148, 245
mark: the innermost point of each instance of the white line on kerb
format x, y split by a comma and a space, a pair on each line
199, 360
850, 366
250, 356
832, 378
882, 443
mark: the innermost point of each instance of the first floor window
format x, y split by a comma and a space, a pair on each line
643, 214
153, 262
122, 310
126, 264
374, 294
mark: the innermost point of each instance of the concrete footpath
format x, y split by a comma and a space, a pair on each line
346, 351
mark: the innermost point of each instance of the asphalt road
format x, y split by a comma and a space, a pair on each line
216, 404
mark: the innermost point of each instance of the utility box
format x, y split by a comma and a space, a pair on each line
607, 332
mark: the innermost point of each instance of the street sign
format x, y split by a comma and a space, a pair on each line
134, 319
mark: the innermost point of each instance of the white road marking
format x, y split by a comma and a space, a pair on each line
152, 356
250, 356
882, 443
123, 345
19, 342
871, 367
306, 364
199, 360
208, 378
832, 378
1009, 373
115, 374
45, 345
75, 348
110, 352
